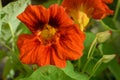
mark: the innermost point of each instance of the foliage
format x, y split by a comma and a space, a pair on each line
92, 66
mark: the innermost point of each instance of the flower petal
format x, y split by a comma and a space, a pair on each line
55, 60
93, 8
101, 10
70, 44
107, 1
58, 16
28, 46
35, 17
47, 56
43, 56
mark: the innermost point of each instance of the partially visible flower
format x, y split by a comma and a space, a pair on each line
82, 10
54, 39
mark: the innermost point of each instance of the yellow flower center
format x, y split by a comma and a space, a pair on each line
81, 18
48, 32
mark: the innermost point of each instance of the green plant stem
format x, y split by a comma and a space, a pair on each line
11, 30
100, 48
77, 64
108, 28
91, 48
85, 66
0, 4
13, 36
97, 65
99, 62
116, 10
90, 53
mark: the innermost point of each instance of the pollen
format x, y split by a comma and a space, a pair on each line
48, 32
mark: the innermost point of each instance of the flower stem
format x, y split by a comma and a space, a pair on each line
78, 63
91, 48
116, 11
108, 28
100, 48
90, 53
97, 65
85, 66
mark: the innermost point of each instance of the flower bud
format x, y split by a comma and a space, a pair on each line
108, 58
103, 36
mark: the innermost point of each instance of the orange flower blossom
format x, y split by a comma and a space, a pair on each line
54, 39
82, 10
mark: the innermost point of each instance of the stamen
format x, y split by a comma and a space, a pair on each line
48, 32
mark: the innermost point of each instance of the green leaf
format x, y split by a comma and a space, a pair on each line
54, 73
48, 73
5, 32
115, 69
69, 70
9, 13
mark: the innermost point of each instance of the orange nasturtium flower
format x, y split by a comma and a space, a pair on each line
82, 10
54, 39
